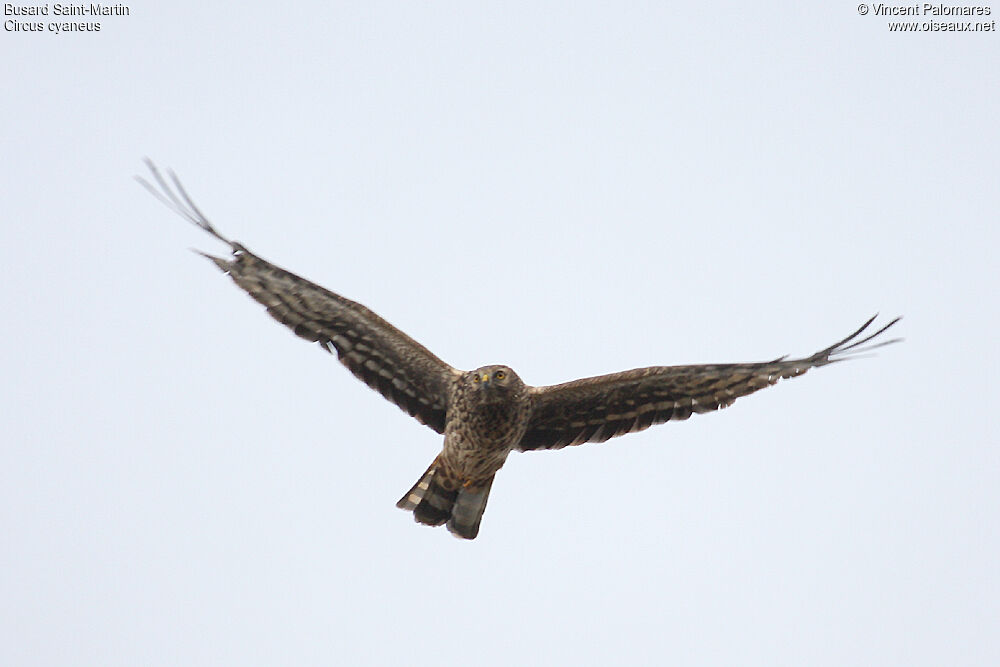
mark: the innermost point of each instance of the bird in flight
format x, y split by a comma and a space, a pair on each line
486, 413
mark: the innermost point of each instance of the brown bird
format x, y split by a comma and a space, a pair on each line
488, 412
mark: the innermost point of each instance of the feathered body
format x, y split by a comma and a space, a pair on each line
487, 415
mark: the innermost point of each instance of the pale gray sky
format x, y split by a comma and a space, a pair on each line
183, 482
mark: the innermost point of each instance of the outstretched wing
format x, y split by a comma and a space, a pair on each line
598, 408
379, 354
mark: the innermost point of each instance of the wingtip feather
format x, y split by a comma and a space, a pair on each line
224, 264
177, 199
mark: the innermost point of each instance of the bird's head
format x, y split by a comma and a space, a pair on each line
494, 380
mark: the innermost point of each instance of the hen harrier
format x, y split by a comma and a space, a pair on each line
488, 412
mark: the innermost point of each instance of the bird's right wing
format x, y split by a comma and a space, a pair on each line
379, 354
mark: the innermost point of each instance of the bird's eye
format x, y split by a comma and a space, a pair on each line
475, 378
499, 375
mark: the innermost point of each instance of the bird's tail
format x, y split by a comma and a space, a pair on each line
435, 499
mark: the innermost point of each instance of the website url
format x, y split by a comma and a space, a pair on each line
942, 26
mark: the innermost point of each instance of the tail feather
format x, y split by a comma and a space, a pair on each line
434, 503
468, 510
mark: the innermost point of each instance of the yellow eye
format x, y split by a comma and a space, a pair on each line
476, 378
499, 375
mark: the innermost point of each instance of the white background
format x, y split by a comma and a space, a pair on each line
568, 188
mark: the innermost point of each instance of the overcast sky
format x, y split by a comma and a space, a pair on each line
568, 188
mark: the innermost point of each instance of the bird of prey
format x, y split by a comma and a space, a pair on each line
486, 413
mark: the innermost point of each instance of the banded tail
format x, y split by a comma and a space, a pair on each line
433, 504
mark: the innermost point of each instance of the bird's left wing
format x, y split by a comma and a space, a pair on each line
379, 354
598, 408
